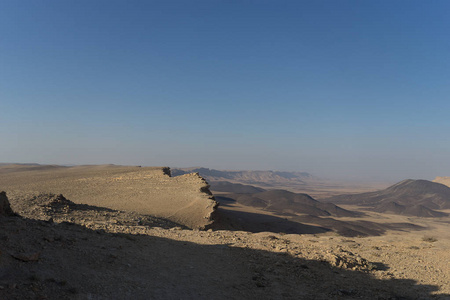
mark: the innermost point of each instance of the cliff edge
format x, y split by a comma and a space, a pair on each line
185, 199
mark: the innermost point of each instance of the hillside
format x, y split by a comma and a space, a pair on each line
282, 201
410, 197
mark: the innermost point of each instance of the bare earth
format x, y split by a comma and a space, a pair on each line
59, 249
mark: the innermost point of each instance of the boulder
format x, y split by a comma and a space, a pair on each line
5, 207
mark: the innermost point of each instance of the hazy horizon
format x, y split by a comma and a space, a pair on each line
384, 180
354, 90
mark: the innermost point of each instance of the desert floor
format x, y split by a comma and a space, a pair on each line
87, 252
59, 249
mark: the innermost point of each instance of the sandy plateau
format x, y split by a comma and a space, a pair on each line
85, 245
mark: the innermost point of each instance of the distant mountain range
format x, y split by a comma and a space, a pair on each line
410, 197
13, 167
250, 177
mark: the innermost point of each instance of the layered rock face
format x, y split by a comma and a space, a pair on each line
184, 199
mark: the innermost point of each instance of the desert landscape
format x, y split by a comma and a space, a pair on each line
124, 232
224, 150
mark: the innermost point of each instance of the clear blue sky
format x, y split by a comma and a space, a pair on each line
342, 89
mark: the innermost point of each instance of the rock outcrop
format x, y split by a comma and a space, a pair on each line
185, 199
5, 207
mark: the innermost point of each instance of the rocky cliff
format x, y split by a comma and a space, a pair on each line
183, 199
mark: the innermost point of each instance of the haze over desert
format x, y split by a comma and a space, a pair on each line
224, 149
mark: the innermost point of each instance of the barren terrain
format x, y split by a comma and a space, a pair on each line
57, 248
298, 182
183, 199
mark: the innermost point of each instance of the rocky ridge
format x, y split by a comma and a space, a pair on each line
150, 191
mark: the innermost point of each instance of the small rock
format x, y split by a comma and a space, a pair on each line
27, 257
49, 239
345, 292
176, 228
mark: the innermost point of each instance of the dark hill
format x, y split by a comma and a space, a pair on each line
422, 211
413, 210
282, 201
410, 197
391, 207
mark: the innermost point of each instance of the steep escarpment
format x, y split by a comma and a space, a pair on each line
152, 191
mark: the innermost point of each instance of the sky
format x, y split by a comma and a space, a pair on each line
356, 90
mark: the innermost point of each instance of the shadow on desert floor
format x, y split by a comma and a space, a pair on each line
254, 222
229, 218
79, 263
